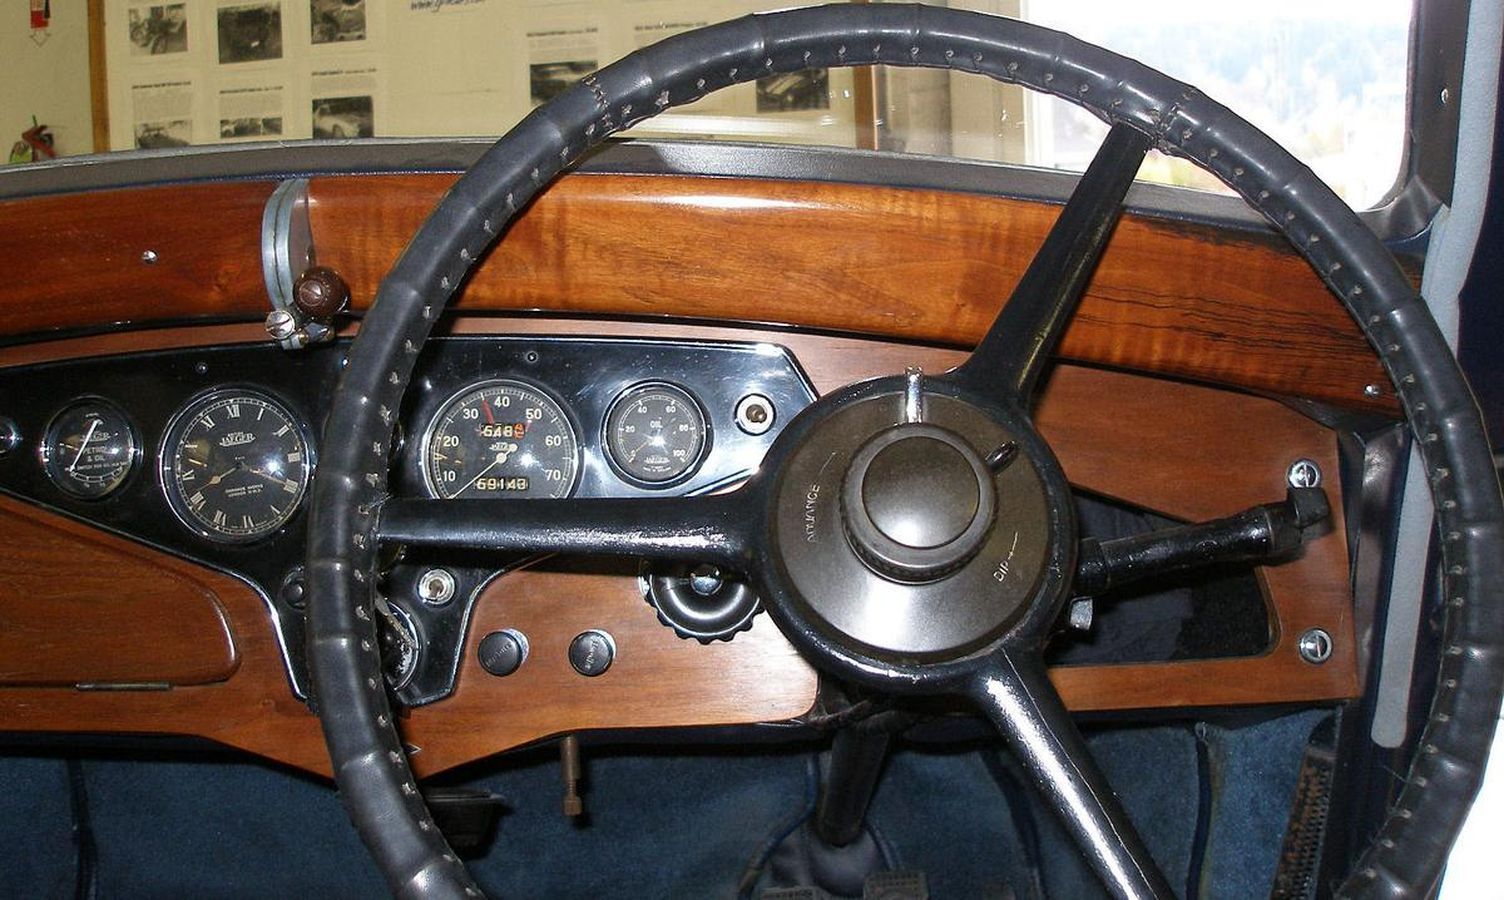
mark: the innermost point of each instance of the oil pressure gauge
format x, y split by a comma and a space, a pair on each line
90, 448
656, 434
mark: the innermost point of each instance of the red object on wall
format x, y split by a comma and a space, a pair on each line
41, 13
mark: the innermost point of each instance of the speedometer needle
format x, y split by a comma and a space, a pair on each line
500, 458
88, 436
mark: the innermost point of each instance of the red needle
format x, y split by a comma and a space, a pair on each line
487, 407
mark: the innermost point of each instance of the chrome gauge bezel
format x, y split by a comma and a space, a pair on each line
609, 446
566, 415
167, 454
49, 437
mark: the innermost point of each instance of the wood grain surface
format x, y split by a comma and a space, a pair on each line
78, 606
1173, 298
1187, 451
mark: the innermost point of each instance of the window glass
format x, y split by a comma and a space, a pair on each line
1327, 78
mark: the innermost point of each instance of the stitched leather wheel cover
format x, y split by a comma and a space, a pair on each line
372, 772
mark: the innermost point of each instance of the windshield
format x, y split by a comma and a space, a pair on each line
1327, 78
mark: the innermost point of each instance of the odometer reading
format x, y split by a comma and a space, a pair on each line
501, 439
235, 466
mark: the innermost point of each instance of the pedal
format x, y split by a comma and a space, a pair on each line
896, 885
466, 817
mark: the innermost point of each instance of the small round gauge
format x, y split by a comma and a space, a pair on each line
656, 433
90, 448
235, 465
501, 438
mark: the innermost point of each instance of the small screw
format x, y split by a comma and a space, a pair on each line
530, 356
1303, 473
149, 257
754, 414
201, 368
281, 324
1315, 646
436, 587
1446, 96
1372, 390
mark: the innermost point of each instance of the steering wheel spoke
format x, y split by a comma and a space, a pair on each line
716, 528
1015, 693
1014, 351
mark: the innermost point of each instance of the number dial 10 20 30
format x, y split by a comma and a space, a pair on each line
503, 438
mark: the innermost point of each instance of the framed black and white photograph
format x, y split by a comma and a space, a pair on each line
343, 117
250, 127
548, 80
158, 30
250, 33
337, 21
170, 133
794, 91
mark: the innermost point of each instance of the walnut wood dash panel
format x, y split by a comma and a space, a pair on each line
79, 260
79, 608
930, 266
657, 679
1191, 452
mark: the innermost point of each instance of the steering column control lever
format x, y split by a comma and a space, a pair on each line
1266, 532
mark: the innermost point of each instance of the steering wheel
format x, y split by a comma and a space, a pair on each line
911, 534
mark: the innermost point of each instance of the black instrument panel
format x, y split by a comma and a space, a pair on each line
196, 450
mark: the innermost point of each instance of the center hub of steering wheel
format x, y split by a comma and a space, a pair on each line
894, 539
917, 502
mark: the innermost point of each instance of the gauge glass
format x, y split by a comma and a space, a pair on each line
501, 439
235, 465
656, 433
89, 449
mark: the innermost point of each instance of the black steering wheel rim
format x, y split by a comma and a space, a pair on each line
370, 768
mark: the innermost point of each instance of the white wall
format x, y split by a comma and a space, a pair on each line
50, 81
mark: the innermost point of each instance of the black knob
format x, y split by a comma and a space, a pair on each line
321, 293
502, 652
917, 502
591, 652
699, 601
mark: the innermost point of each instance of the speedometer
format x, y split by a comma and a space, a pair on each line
502, 438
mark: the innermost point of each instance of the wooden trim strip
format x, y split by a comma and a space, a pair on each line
1172, 298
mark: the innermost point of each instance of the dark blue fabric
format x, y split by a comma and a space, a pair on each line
1254, 773
681, 824
224, 829
36, 828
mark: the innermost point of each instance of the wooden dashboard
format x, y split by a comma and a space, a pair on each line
143, 642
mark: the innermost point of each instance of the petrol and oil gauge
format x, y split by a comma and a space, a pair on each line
90, 448
656, 434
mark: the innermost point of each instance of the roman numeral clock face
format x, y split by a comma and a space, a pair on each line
235, 466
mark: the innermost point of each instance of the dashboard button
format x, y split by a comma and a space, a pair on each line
502, 652
592, 652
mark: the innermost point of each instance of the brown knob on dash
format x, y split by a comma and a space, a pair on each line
321, 293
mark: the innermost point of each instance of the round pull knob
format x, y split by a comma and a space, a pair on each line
917, 502
320, 293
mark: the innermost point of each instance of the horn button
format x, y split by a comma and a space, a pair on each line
917, 502
894, 538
